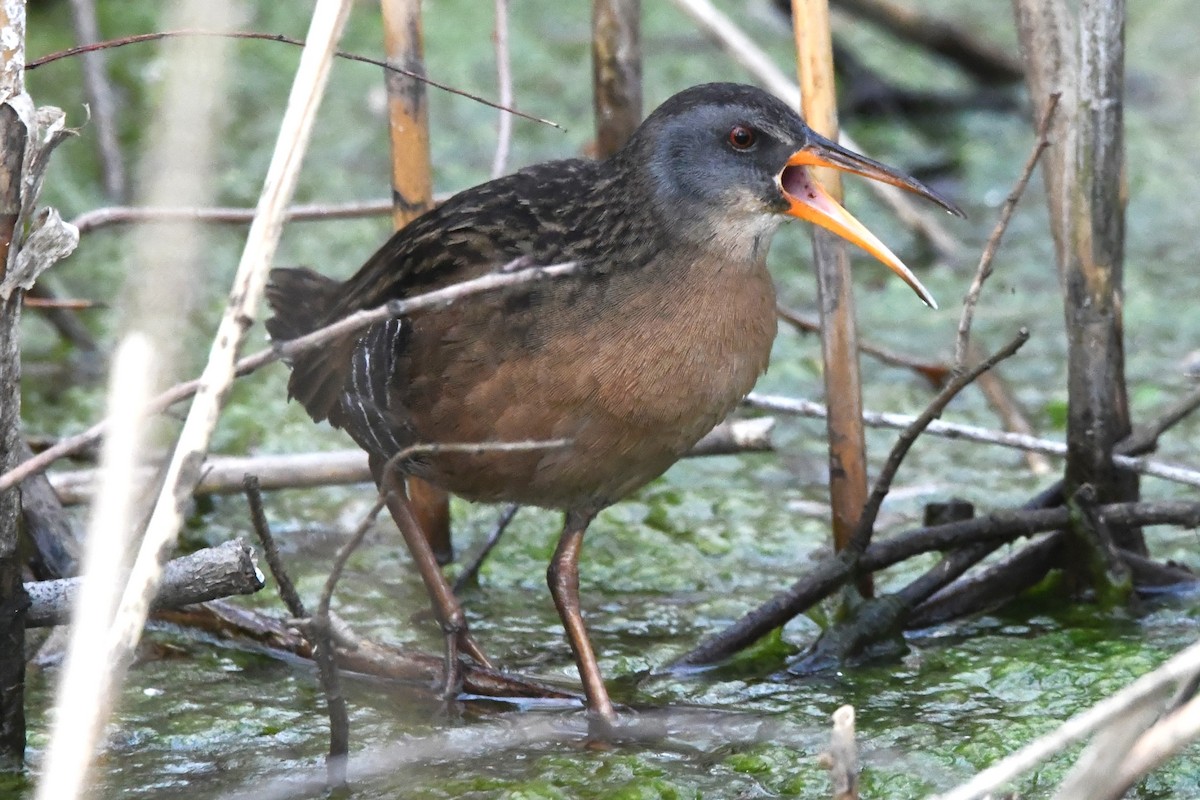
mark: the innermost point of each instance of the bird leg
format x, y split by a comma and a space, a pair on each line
563, 577
446, 607
431, 506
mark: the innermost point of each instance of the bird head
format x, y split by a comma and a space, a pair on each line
729, 161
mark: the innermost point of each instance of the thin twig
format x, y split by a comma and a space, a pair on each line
107, 216
226, 474
993, 387
933, 371
294, 347
343, 555
324, 654
1145, 437
276, 37
258, 518
973, 433
883, 483
984, 270
471, 573
504, 79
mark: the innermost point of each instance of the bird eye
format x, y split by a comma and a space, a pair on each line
742, 137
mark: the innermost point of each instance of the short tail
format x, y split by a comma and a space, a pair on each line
302, 301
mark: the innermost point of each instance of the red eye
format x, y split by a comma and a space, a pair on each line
742, 138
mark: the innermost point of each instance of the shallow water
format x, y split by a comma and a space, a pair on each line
712, 538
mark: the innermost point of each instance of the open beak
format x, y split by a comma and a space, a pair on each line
810, 202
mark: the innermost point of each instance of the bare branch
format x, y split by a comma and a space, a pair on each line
287, 589
207, 574
108, 216
471, 573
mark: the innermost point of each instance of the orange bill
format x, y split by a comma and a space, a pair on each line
810, 202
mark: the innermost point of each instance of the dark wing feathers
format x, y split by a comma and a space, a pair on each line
552, 212
301, 300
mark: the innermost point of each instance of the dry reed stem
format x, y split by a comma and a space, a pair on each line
84, 697
504, 80
844, 430
182, 471
843, 755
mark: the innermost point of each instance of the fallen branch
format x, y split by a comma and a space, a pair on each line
355, 654
1007, 578
224, 474
207, 574
827, 575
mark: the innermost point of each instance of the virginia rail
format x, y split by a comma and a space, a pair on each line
666, 326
